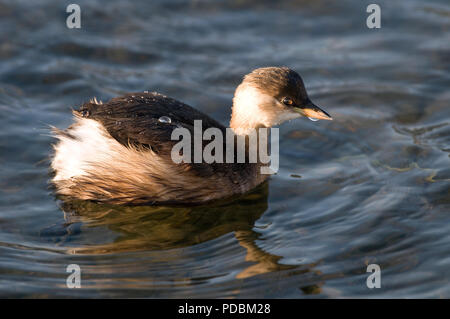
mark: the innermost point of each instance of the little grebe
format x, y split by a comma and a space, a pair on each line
120, 151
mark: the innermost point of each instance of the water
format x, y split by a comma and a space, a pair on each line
165, 119
371, 186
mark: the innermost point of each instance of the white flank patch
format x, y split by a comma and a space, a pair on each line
90, 144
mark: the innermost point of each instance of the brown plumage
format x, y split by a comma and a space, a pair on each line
120, 151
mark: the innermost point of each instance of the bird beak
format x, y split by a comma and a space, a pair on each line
313, 112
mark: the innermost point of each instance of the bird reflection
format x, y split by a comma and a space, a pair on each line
162, 228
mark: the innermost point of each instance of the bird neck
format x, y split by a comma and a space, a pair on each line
246, 115
244, 128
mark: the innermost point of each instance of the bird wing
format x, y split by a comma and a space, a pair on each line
134, 120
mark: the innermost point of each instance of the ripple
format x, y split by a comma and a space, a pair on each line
114, 55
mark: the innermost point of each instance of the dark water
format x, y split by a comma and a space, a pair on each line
372, 186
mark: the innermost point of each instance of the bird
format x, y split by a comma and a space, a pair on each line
120, 152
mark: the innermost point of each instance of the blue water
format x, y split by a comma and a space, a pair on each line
370, 187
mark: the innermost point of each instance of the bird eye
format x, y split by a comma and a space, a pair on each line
287, 101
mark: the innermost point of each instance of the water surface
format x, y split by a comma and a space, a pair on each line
372, 186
